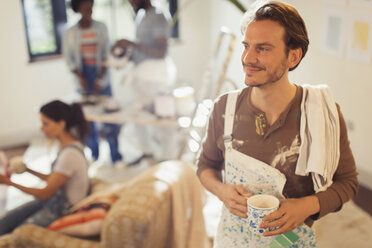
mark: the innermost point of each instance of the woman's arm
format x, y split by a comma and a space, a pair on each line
42, 176
54, 182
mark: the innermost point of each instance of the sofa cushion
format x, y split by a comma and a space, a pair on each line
86, 221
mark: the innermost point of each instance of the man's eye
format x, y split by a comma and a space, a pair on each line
262, 49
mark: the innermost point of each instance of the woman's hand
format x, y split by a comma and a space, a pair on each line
4, 180
17, 166
235, 199
291, 213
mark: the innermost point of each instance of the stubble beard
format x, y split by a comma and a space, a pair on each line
272, 77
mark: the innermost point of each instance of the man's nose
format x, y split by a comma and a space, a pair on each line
249, 56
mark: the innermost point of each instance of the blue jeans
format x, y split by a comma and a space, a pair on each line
110, 131
37, 212
16, 217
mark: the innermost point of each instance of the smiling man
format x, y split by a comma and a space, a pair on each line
258, 138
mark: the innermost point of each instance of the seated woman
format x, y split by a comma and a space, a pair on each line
68, 182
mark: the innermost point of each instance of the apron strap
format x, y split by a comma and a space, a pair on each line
75, 147
229, 115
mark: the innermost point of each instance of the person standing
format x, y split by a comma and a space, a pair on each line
258, 138
154, 74
85, 48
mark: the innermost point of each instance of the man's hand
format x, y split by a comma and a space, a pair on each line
124, 44
4, 180
291, 213
97, 86
83, 83
235, 199
80, 77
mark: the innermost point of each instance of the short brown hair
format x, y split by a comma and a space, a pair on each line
287, 16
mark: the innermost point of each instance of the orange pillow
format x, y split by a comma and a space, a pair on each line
84, 222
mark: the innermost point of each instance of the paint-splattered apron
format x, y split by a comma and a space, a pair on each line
258, 178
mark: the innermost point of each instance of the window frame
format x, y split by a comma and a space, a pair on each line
173, 8
59, 18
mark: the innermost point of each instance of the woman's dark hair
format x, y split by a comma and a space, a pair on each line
75, 4
287, 16
71, 114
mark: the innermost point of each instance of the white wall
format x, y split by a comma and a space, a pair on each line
225, 14
350, 82
191, 52
23, 86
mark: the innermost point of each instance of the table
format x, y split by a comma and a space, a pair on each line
94, 111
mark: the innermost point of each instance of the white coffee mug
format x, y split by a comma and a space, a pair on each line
258, 207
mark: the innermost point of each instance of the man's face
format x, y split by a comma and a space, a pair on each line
137, 4
264, 57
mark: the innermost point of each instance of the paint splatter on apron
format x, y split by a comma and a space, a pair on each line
258, 178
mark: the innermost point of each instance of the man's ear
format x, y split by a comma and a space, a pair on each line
294, 57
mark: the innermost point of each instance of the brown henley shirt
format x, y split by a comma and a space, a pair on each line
278, 146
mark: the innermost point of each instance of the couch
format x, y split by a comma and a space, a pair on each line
161, 207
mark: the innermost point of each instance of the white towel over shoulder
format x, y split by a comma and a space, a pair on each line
320, 136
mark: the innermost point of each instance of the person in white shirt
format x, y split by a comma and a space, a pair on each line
154, 74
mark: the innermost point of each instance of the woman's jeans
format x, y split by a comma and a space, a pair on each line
36, 212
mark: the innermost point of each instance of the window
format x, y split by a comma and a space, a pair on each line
45, 20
